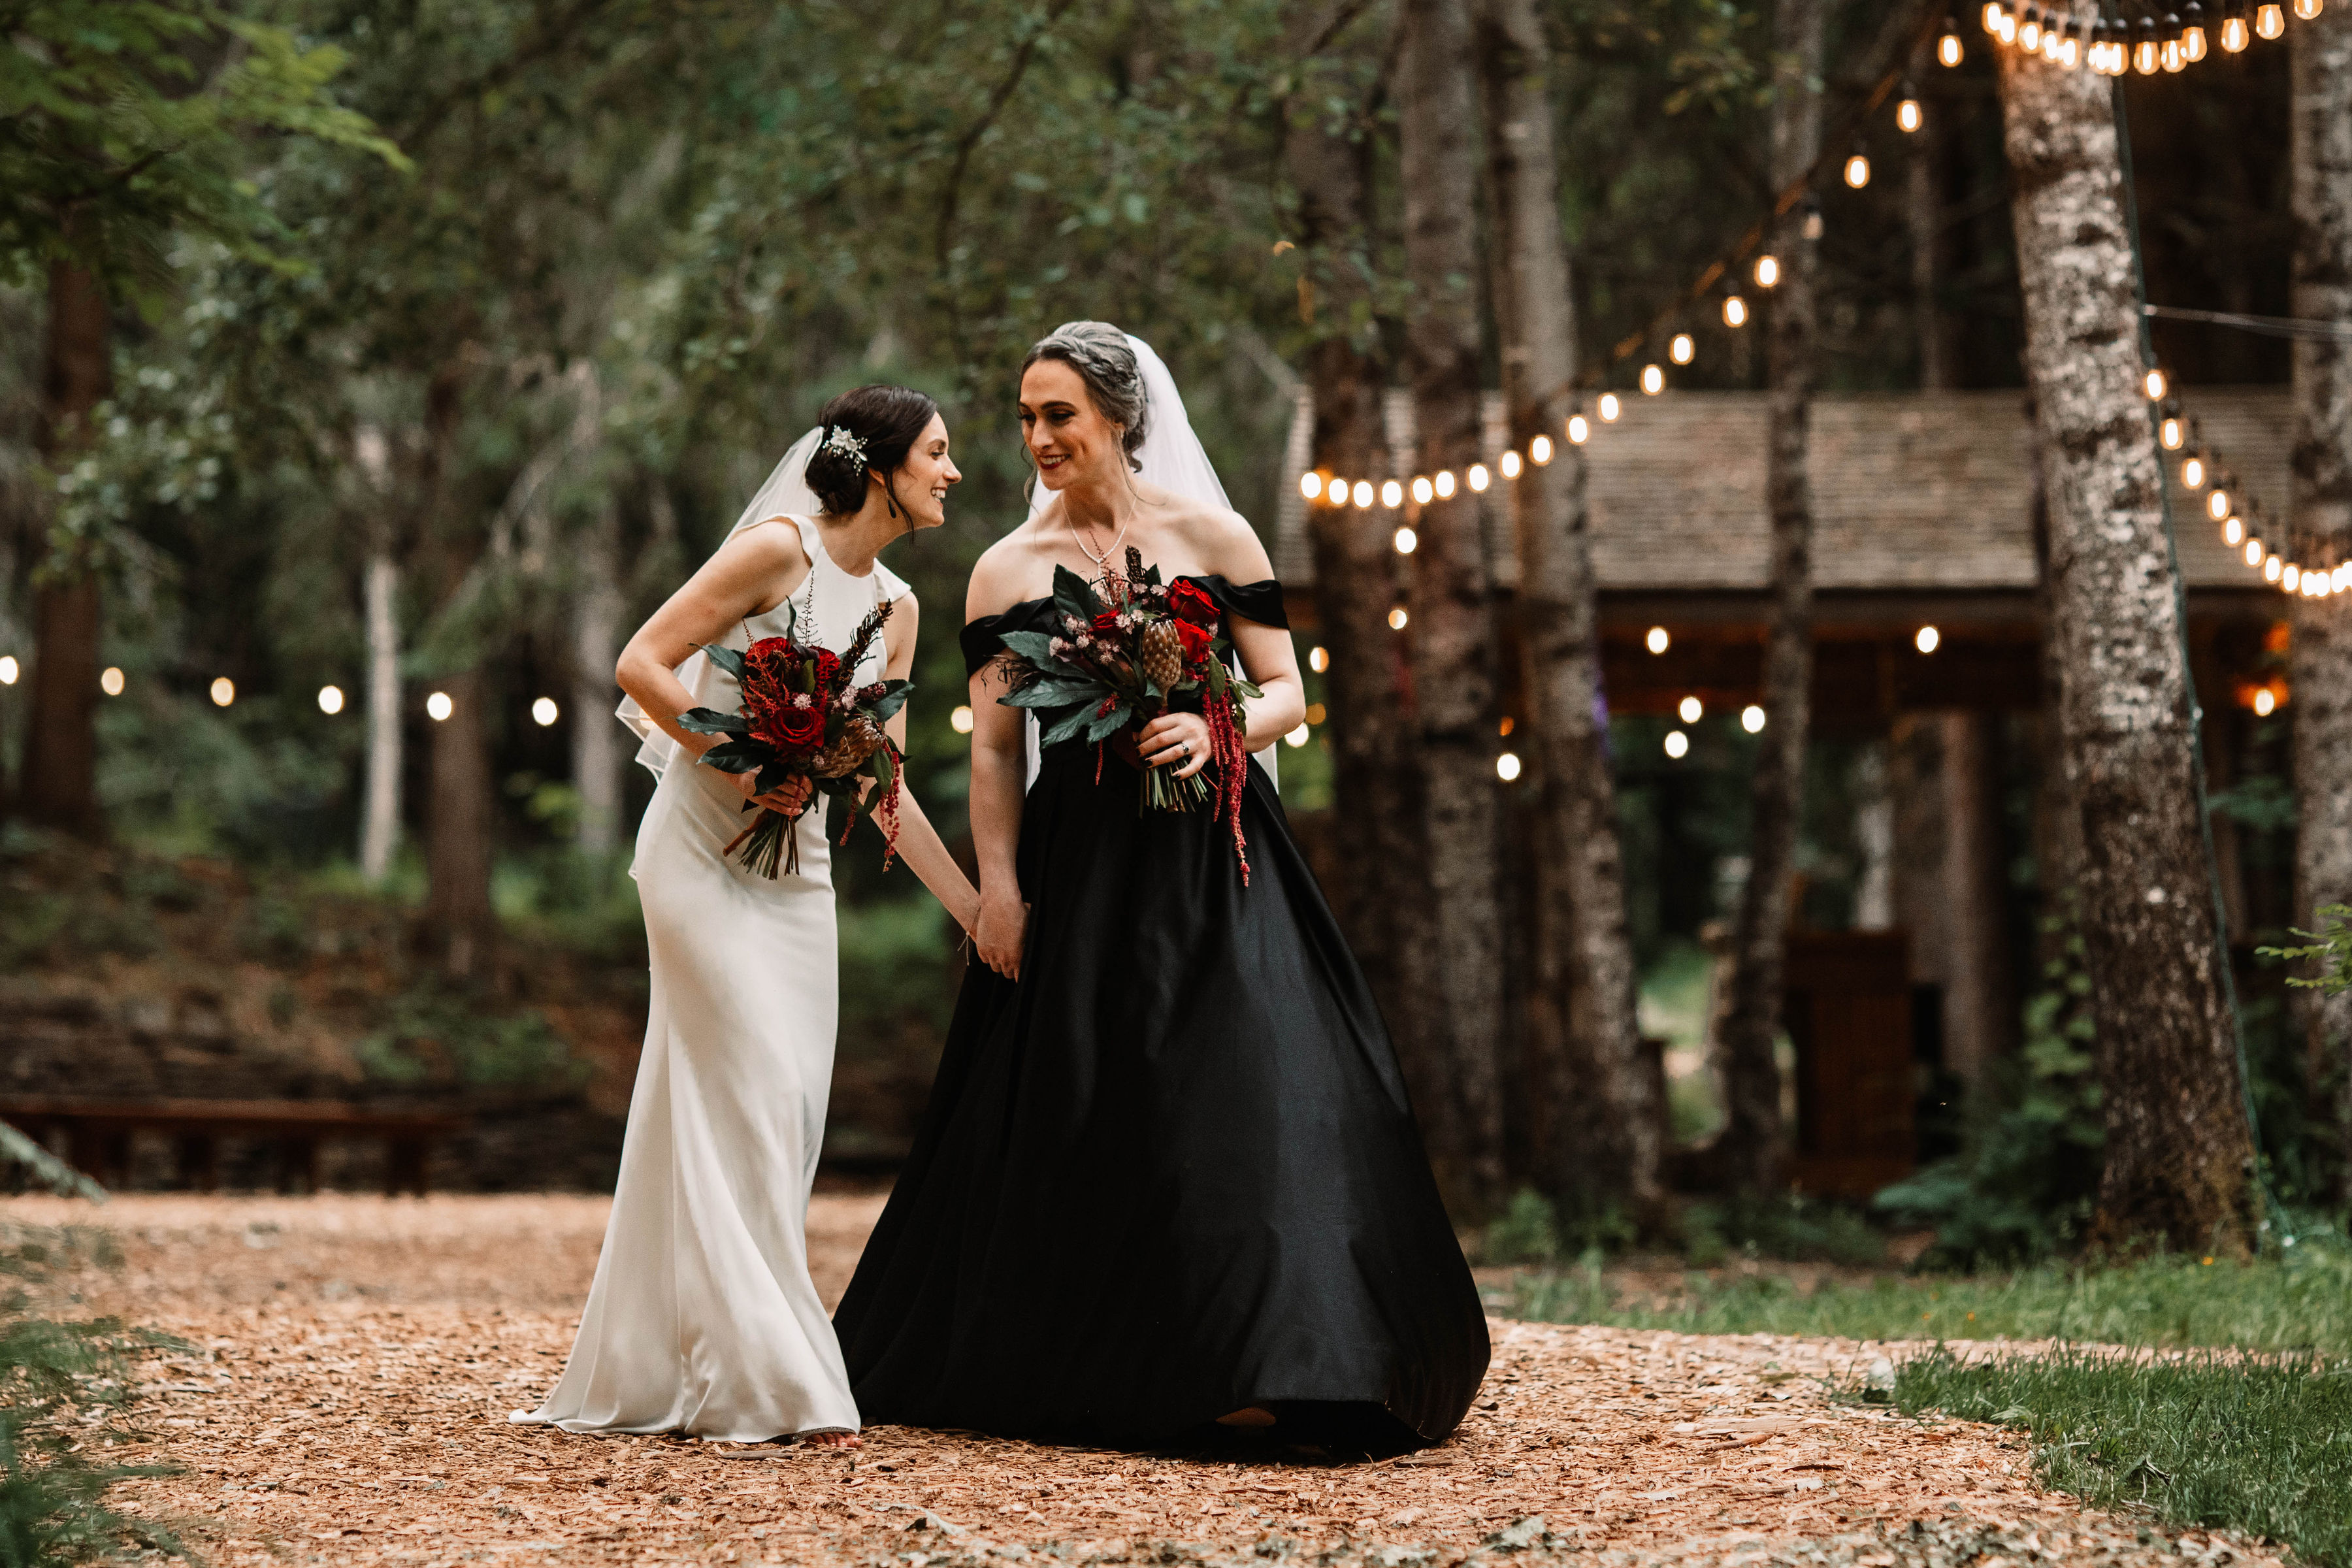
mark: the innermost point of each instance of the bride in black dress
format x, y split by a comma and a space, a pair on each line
1168, 1175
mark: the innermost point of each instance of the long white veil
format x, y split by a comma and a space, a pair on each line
785, 494
1171, 457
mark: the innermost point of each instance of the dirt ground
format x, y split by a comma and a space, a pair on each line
356, 1357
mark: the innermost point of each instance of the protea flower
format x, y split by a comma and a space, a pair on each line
1163, 655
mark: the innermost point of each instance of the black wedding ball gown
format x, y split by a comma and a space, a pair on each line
1171, 1171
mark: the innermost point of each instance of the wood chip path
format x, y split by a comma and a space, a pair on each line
356, 1357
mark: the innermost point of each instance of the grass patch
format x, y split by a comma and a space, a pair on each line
2204, 1439
2299, 1301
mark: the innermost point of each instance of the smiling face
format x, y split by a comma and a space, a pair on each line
922, 480
1069, 439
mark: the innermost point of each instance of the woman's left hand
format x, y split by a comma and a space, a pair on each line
1177, 739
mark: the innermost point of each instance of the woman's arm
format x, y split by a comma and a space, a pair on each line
732, 585
999, 770
917, 841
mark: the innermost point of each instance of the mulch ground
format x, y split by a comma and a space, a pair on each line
355, 1357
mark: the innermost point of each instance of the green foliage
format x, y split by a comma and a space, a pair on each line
2330, 946
2260, 1446
2023, 1186
440, 1032
66, 1392
1526, 1232
1793, 1228
2299, 1300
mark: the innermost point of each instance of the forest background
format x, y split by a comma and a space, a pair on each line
473, 326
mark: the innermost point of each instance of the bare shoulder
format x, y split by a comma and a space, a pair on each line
772, 544
1002, 574
1225, 543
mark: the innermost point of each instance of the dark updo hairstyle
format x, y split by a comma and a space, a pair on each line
1100, 353
890, 420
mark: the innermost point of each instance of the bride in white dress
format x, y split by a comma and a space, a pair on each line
702, 1317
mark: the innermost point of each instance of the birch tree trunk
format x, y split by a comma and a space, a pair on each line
596, 756
1375, 819
1451, 630
380, 827
1603, 1141
1752, 1148
58, 786
2322, 530
2178, 1152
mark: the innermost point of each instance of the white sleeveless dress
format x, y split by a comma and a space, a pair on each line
702, 1317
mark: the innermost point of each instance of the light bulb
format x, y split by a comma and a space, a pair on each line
109, 680
1310, 485
1654, 380
1767, 271
1479, 478
1443, 484
2007, 31
1857, 171
1423, 489
2029, 34
2233, 530
1690, 709
1362, 494
1579, 429
2070, 52
2291, 579
1993, 13
2265, 703
1391, 494
1658, 641
1406, 541
2233, 33
961, 720
1539, 450
2308, 9
1735, 311
2192, 31
2144, 57
1397, 619
331, 700
1928, 640
2169, 434
1677, 744
224, 691
9, 670
1751, 718
438, 707
1907, 115
1319, 659
1612, 405
2270, 21
2192, 473
2253, 552
2271, 570
2168, 55
2217, 505
544, 712
1510, 465
1681, 350
1947, 48
2156, 385
1506, 767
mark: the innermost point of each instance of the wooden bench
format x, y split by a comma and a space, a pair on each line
98, 1132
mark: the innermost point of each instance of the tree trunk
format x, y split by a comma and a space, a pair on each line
1451, 631
2178, 1152
596, 756
1923, 211
460, 845
60, 785
380, 827
1602, 1143
2322, 534
1752, 1149
1375, 818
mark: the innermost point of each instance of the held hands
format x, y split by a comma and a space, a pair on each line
1175, 740
791, 800
1001, 931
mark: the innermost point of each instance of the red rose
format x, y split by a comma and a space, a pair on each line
789, 728
1196, 640
1190, 604
1107, 623
828, 667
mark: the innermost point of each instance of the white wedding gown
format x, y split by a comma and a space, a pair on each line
702, 1317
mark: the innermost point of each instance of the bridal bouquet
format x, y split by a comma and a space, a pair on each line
802, 718
1137, 650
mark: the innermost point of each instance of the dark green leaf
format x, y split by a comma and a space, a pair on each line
710, 721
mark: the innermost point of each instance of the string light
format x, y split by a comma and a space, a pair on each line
1319, 659
1682, 349
2291, 579
1735, 311
2192, 473
1391, 495
1658, 641
1677, 744
2270, 21
2253, 552
1539, 450
1507, 766
9, 670
2233, 532
2156, 385
1611, 407
1690, 709
1509, 463
2308, 9
1423, 489
438, 707
1579, 429
1908, 114
1479, 478
1928, 640
2159, 41
223, 690
2271, 568
1948, 48
2029, 33
544, 712
1310, 485
1857, 170
330, 700
1654, 380
1397, 618
2170, 434
1406, 541
1298, 737
2265, 703
2217, 505
1363, 494
961, 720
2233, 26
1443, 484
1751, 718
2192, 31
109, 680
1767, 272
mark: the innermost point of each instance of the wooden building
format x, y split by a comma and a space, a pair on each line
1924, 519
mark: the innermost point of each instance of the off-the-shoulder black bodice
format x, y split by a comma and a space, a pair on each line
983, 639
